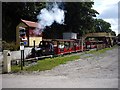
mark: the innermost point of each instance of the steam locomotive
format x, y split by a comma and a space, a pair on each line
62, 46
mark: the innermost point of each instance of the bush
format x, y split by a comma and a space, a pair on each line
9, 46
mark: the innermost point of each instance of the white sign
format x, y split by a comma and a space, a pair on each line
21, 28
21, 47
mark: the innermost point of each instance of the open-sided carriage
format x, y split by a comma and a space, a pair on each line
56, 47
95, 45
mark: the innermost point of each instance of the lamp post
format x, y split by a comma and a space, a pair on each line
34, 43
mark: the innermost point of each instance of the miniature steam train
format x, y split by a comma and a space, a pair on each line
62, 46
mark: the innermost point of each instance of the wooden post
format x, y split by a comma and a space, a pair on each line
82, 44
21, 60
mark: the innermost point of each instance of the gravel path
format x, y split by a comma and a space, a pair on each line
94, 72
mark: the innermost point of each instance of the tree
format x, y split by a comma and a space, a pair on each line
102, 26
113, 33
118, 37
79, 17
13, 12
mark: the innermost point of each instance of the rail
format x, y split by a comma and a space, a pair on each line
31, 59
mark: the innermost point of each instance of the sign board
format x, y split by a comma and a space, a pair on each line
24, 38
21, 45
22, 32
25, 42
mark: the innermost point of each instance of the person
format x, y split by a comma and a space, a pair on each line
61, 47
33, 53
51, 48
40, 44
46, 45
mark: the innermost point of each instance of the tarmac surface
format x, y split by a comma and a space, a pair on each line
95, 71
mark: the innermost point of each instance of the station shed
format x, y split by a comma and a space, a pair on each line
107, 38
32, 33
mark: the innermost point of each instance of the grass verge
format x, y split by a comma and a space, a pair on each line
99, 51
15, 68
47, 64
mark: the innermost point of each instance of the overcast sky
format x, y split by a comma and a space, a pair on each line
108, 10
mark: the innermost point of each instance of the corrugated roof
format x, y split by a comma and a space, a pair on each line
30, 23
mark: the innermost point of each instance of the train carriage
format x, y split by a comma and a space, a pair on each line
64, 46
95, 44
56, 47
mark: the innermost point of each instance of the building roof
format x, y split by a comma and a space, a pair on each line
30, 23
100, 34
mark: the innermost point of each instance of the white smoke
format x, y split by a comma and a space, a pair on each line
48, 16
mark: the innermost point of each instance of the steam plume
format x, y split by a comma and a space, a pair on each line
52, 13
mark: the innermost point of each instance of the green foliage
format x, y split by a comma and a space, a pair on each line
102, 26
113, 33
13, 12
9, 46
118, 37
79, 17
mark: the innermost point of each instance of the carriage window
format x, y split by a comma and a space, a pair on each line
55, 43
67, 45
71, 44
61, 44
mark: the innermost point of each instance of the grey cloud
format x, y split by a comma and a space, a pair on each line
111, 12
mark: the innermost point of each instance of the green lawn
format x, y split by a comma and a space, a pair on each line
99, 51
47, 64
